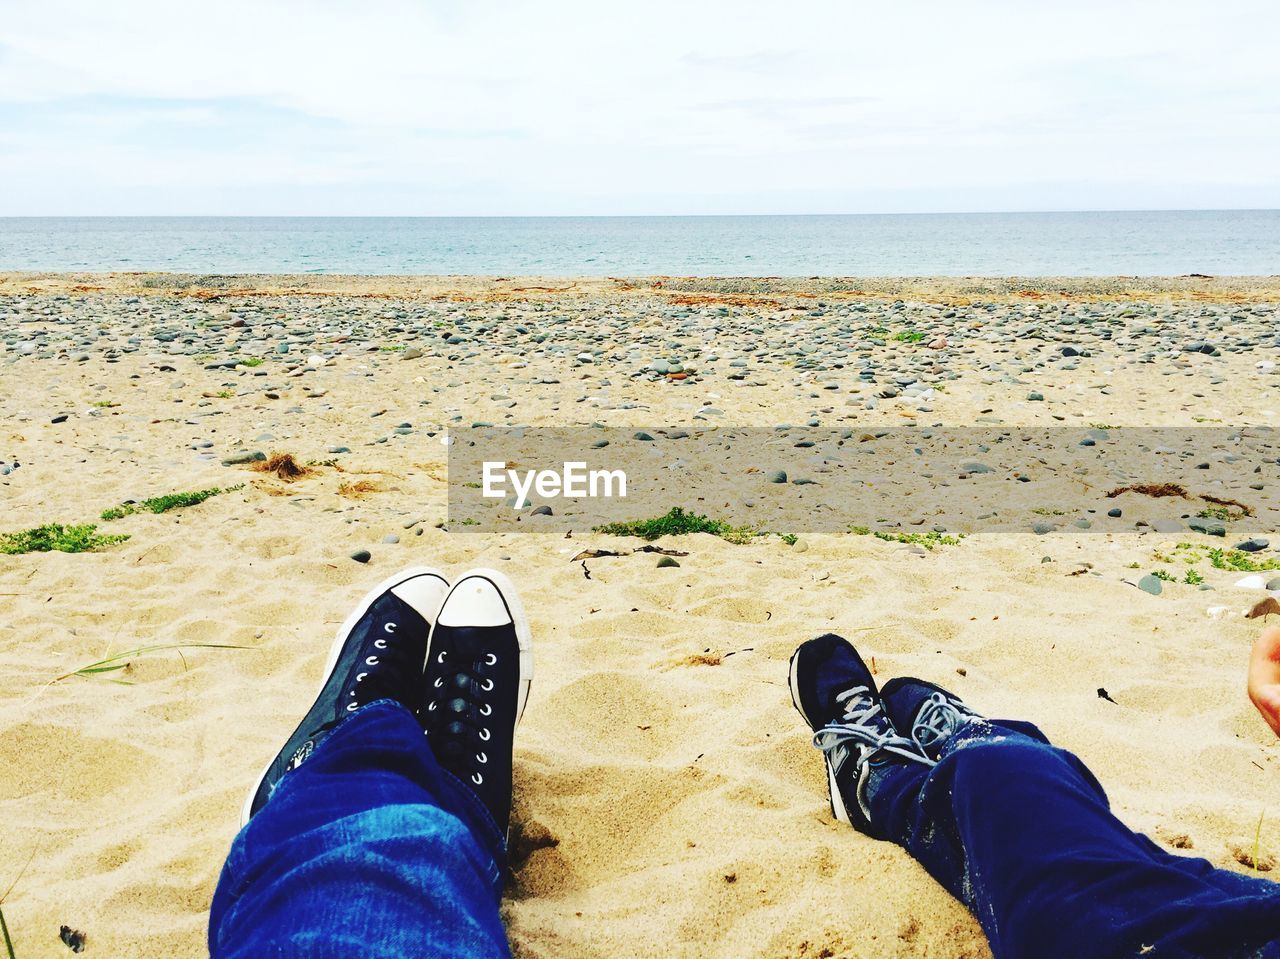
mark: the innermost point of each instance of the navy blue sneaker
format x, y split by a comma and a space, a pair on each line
377, 654
925, 712
836, 694
475, 685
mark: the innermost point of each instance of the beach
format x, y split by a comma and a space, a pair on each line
668, 802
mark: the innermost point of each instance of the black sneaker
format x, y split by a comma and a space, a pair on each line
377, 655
836, 694
928, 714
475, 685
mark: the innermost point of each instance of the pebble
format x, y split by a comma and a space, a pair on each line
1254, 545
244, 456
1208, 526
391, 539
666, 562
362, 556
1151, 584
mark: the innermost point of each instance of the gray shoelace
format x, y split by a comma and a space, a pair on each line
859, 729
939, 719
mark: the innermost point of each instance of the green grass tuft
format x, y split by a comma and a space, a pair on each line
251, 361
908, 336
162, 504
118, 661
8, 943
1193, 578
55, 536
1224, 513
1240, 561
1164, 574
930, 540
679, 523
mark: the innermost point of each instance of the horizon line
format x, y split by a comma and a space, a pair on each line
605, 216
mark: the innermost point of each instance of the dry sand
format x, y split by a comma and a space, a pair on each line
671, 807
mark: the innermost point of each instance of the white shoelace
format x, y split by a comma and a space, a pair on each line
858, 729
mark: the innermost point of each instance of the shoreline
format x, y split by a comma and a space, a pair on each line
755, 291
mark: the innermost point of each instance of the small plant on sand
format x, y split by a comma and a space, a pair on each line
1240, 561
392, 348
1046, 511
251, 361
105, 404
118, 661
55, 536
789, 538
162, 504
908, 336
1164, 574
1225, 513
1193, 578
1101, 426
679, 523
225, 394
929, 540
4, 926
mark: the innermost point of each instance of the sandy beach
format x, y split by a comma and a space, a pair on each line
668, 800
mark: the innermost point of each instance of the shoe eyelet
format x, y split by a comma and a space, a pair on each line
477, 779
490, 659
371, 661
487, 685
481, 758
380, 644
439, 682
485, 709
352, 707
431, 707
360, 677
443, 654
484, 735
389, 628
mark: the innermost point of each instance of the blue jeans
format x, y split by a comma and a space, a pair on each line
369, 848
1021, 833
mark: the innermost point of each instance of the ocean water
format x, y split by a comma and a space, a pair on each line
1168, 243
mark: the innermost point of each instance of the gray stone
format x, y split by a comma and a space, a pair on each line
1208, 526
1151, 584
362, 556
777, 476
244, 456
666, 562
1255, 545
391, 539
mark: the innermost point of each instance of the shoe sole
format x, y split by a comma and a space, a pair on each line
833, 788
335, 650
520, 620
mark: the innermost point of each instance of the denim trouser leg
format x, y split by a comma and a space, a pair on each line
367, 849
1021, 832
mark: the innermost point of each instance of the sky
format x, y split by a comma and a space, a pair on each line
504, 107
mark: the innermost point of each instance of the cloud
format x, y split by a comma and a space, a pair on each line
425, 107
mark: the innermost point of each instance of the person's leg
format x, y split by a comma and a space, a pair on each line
1017, 830
369, 848
373, 832
1022, 833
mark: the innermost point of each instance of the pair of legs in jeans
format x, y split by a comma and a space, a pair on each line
379, 829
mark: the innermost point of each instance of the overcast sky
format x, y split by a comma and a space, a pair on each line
393, 107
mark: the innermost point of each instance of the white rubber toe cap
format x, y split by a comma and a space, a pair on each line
474, 601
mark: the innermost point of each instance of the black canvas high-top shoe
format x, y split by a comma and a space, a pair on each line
377, 654
475, 684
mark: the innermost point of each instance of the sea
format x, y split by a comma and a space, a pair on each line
1153, 243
